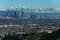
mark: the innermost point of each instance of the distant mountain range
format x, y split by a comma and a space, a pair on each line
40, 10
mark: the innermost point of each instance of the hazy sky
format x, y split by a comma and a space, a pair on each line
30, 3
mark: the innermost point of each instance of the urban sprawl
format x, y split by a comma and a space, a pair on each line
24, 20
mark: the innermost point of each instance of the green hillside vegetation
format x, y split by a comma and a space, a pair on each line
33, 36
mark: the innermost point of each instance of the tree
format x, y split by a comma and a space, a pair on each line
11, 37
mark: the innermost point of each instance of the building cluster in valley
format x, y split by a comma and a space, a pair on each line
23, 20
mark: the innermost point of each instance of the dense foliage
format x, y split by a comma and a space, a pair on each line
33, 36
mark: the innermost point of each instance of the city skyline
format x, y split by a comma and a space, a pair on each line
30, 3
